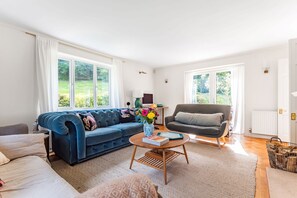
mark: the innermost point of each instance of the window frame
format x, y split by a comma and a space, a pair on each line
96, 64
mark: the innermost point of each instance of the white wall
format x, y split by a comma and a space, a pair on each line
135, 81
260, 88
74, 51
18, 96
18, 87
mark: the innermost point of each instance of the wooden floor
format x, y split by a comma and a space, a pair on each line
249, 145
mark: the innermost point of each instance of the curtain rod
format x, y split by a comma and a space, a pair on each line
77, 47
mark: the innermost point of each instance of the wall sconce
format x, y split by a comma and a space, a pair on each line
142, 72
266, 69
294, 94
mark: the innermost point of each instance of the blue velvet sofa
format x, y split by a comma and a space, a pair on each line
73, 144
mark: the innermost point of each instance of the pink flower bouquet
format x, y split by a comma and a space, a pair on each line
147, 115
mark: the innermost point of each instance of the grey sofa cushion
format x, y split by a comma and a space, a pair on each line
199, 119
211, 131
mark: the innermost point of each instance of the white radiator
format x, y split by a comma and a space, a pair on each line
264, 122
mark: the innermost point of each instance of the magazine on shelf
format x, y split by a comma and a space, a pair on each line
171, 135
155, 140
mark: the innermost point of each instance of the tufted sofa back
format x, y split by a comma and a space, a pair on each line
56, 120
106, 118
103, 117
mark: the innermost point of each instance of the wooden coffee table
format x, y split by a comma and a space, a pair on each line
159, 156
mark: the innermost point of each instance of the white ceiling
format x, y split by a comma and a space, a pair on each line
159, 32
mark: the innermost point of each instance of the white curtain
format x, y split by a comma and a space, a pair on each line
189, 88
117, 87
237, 91
47, 73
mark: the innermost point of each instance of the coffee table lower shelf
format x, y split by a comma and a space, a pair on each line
159, 156
157, 163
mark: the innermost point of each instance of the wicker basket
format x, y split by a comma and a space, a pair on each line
282, 155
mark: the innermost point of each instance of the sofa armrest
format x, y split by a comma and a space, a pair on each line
14, 129
224, 128
59, 123
136, 185
169, 119
16, 146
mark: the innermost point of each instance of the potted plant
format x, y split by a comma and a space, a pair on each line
148, 116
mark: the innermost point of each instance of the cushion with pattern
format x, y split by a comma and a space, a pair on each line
127, 115
88, 121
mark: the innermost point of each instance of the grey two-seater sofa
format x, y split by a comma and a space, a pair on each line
207, 131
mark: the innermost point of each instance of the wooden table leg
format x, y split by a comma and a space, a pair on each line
164, 167
133, 156
186, 155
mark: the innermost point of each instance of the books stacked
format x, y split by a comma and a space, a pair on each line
155, 140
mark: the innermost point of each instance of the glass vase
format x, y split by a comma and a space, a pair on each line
148, 129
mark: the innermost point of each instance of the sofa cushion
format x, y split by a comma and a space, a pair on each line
129, 128
33, 177
200, 119
3, 160
209, 131
88, 121
101, 135
127, 115
16, 146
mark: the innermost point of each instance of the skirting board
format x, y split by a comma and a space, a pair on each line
282, 184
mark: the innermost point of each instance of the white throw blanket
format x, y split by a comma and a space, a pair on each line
32, 177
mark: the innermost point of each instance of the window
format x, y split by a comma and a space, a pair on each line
212, 87
64, 83
201, 89
102, 87
223, 88
83, 84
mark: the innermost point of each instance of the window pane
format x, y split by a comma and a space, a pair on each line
102, 87
201, 89
84, 89
223, 88
64, 84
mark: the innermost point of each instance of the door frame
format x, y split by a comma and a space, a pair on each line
283, 106
293, 85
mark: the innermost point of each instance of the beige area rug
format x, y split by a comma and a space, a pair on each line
211, 172
281, 183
